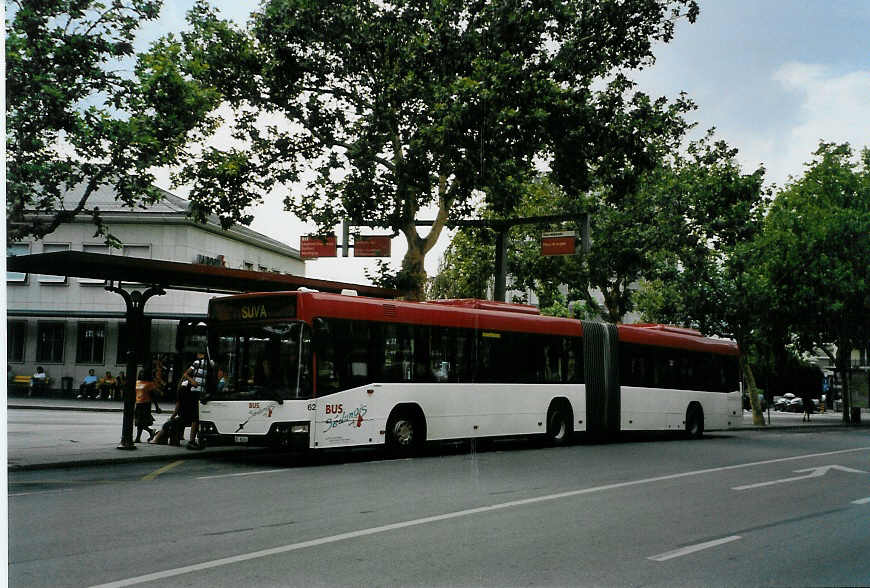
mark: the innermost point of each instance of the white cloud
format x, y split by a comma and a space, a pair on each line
834, 107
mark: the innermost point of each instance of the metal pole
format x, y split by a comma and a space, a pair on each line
500, 272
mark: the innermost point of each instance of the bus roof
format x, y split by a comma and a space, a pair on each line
481, 315
669, 336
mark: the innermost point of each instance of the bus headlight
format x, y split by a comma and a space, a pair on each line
290, 428
207, 428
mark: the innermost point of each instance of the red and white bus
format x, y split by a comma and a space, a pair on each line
316, 370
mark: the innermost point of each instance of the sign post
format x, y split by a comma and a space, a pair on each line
559, 243
371, 246
313, 246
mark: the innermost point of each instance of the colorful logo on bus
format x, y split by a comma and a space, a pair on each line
352, 418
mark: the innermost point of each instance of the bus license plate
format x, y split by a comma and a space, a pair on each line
240, 439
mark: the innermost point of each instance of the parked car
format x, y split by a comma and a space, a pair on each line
783, 402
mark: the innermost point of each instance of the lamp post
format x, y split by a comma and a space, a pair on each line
135, 320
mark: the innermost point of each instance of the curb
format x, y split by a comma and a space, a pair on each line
205, 454
71, 408
765, 428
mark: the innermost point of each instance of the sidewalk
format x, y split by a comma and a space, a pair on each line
94, 440
41, 436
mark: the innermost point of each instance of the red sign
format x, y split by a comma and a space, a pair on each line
371, 246
561, 243
312, 246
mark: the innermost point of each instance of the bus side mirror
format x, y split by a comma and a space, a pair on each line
321, 327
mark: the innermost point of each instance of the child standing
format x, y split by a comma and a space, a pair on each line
142, 415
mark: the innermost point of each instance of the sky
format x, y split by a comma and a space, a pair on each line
773, 76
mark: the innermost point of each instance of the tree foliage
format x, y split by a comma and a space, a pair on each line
77, 118
385, 108
707, 278
815, 254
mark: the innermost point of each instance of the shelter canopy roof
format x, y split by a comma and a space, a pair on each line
176, 275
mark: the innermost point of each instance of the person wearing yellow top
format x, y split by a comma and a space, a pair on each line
142, 415
106, 387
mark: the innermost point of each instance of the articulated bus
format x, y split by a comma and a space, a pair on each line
317, 370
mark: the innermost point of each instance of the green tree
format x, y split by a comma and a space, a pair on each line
709, 277
385, 108
77, 118
632, 216
467, 267
816, 255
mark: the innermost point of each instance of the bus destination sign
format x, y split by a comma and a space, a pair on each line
254, 309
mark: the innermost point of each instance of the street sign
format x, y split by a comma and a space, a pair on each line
313, 246
371, 246
559, 243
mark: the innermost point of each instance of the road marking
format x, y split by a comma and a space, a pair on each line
862, 501
163, 470
814, 473
206, 565
693, 548
255, 473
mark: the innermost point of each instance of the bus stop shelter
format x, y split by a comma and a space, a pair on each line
137, 280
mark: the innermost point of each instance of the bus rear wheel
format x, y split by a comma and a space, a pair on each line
559, 423
404, 433
694, 421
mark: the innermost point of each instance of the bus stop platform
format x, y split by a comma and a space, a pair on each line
44, 433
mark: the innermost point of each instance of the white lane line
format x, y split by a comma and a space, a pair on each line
255, 473
693, 548
206, 565
862, 501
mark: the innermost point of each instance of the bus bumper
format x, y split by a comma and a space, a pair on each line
289, 435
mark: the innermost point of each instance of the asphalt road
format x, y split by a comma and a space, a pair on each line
783, 508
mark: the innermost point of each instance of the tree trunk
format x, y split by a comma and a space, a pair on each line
413, 274
843, 365
752, 390
414, 271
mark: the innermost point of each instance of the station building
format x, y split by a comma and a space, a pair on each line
70, 325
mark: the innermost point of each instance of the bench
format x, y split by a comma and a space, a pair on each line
23, 383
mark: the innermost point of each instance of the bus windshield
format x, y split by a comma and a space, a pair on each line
262, 362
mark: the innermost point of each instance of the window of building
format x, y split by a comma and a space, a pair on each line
102, 249
53, 248
91, 343
12, 250
140, 251
15, 337
49, 342
137, 251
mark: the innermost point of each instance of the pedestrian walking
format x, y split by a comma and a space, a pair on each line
808, 406
142, 415
190, 391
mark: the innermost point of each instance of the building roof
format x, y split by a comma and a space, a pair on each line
170, 209
175, 275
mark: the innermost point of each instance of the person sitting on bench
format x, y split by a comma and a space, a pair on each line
88, 389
